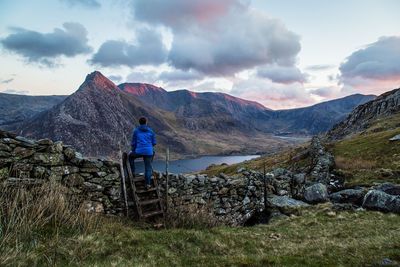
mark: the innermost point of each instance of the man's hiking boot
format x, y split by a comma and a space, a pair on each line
148, 186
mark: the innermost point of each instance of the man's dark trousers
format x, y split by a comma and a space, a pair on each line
148, 169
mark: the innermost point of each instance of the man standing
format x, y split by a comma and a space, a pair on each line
143, 140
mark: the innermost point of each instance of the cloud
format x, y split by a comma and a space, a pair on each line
16, 92
327, 92
373, 68
148, 50
7, 81
115, 78
179, 75
45, 48
279, 74
178, 14
84, 3
272, 95
320, 67
142, 76
219, 38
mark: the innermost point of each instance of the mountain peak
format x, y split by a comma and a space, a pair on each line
97, 80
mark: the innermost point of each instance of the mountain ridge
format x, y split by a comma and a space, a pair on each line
363, 115
190, 123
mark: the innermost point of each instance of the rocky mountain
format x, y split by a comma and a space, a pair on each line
99, 117
207, 110
196, 110
362, 116
15, 109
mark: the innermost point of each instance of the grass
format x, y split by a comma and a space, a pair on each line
370, 157
317, 238
364, 159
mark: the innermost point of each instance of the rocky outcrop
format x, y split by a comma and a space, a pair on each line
384, 105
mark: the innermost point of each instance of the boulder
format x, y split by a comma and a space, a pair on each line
379, 200
316, 193
286, 204
389, 188
352, 196
395, 138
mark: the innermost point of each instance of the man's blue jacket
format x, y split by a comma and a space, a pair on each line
143, 140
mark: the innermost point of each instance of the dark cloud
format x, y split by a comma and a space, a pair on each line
379, 60
84, 3
115, 78
179, 14
16, 92
279, 74
179, 75
45, 48
148, 50
7, 81
220, 38
319, 67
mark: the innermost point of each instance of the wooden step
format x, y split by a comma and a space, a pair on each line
146, 190
152, 213
138, 179
150, 201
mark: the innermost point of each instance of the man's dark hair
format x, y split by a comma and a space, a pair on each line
142, 121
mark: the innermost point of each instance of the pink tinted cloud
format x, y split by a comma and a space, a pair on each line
273, 95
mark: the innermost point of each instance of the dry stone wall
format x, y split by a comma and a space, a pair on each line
27, 162
233, 199
97, 181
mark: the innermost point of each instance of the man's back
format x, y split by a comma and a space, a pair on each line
143, 140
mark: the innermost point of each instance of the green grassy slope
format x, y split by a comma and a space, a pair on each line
363, 159
369, 157
318, 238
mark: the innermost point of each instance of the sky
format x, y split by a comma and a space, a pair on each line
281, 53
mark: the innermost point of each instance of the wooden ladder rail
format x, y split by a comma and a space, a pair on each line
132, 186
123, 182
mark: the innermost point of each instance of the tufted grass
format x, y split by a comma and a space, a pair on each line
318, 238
369, 157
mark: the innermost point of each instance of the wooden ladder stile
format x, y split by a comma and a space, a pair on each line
142, 197
132, 187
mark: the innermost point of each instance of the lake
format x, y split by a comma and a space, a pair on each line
193, 165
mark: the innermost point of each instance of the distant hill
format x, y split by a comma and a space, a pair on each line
317, 118
364, 115
15, 109
195, 108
